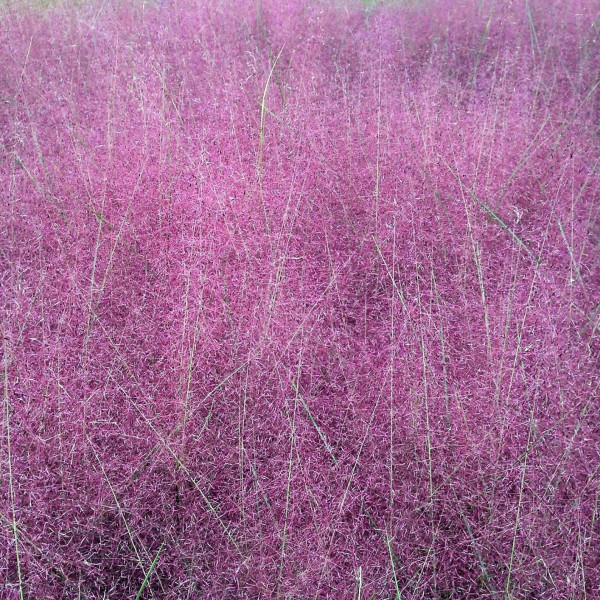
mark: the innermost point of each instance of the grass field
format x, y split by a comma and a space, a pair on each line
300, 299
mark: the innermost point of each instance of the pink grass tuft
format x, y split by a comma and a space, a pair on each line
300, 300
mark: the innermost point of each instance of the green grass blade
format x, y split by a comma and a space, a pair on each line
150, 571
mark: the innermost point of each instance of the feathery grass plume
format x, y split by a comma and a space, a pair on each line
369, 370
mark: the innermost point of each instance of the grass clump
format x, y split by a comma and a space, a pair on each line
300, 300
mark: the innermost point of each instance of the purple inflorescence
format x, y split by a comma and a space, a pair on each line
300, 299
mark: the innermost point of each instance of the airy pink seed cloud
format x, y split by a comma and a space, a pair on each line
300, 299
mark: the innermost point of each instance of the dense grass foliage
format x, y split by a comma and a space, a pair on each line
300, 300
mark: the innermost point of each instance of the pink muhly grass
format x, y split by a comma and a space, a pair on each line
300, 300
